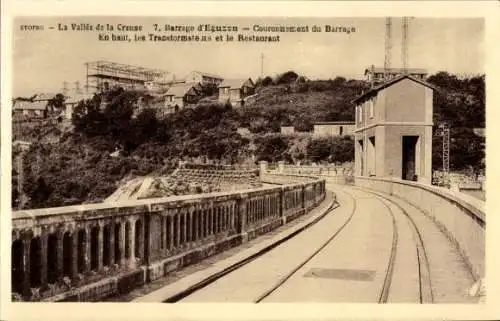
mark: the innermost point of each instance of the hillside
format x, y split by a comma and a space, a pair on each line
108, 144
300, 104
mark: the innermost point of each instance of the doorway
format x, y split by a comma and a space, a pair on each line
409, 170
360, 154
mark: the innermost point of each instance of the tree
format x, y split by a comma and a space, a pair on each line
57, 103
332, 149
272, 147
267, 81
287, 77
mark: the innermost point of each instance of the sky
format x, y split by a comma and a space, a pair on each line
43, 60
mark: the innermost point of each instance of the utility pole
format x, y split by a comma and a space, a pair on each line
261, 65
388, 46
404, 45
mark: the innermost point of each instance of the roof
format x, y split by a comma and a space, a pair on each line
206, 74
235, 83
344, 122
389, 83
44, 96
397, 70
179, 90
28, 105
108, 66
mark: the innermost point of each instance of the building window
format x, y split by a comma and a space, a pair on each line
370, 104
341, 131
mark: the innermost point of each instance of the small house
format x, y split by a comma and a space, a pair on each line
178, 96
30, 109
235, 91
72, 101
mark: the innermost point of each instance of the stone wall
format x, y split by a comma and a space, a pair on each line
460, 217
88, 252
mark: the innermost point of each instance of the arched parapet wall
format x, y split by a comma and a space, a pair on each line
459, 216
88, 252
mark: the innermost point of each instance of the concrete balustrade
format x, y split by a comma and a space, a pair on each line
460, 217
335, 174
88, 252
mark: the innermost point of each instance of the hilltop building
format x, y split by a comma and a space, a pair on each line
179, 96
203, 78
29, 109
235, 91
72, 101
33, 107
104, 75
393, 133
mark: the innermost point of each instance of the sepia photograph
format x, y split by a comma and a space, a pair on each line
147, 166
176, 158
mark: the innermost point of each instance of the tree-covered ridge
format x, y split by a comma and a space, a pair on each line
72, 166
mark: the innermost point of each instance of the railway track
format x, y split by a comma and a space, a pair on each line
411, 244
406, 271
308, 259
425, 289
424, 285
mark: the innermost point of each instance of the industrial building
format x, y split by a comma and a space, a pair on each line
393, 134
104, 75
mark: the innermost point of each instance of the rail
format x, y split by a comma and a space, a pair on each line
461, 218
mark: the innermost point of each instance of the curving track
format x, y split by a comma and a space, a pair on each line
370, 249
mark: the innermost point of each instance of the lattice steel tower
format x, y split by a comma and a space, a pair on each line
444, 130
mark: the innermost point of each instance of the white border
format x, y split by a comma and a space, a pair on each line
108, 311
